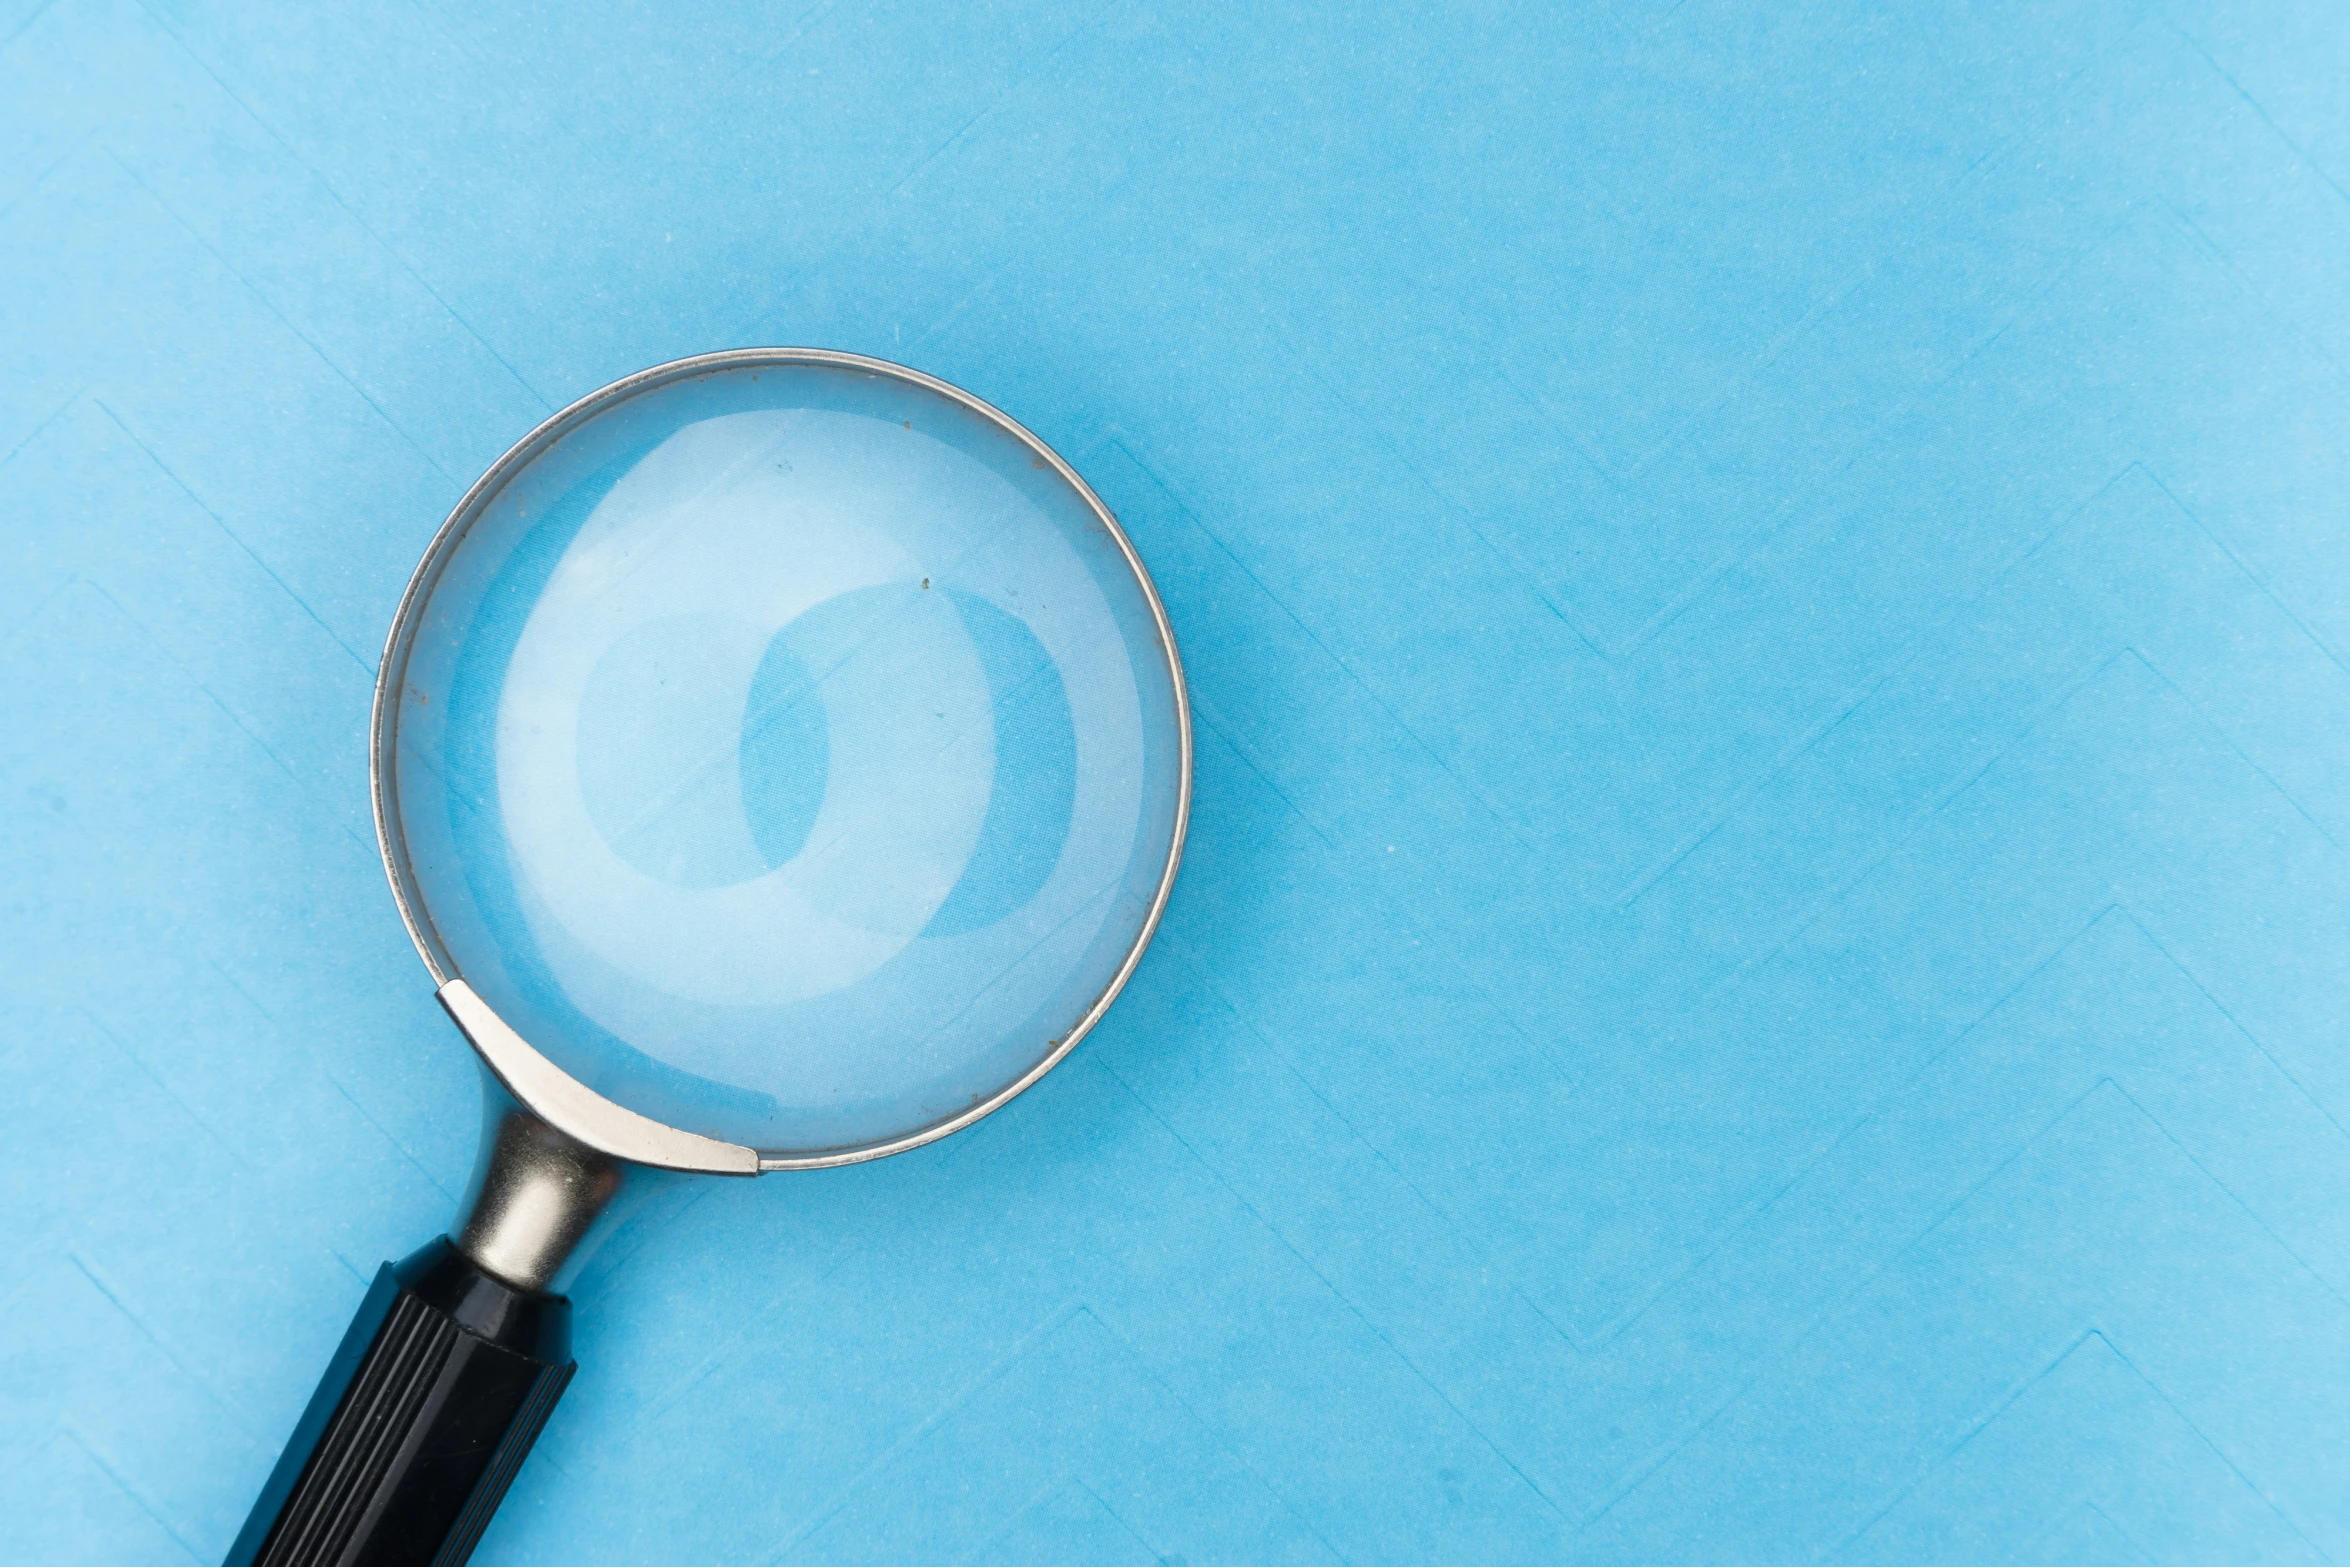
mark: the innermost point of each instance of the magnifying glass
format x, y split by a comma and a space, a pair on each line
780, 760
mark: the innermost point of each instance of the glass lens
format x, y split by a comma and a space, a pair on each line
789, 753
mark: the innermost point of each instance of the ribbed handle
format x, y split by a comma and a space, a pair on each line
428, 1408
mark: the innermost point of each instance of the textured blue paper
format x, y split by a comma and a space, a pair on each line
1764, 963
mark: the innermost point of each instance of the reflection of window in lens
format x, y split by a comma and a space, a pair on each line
1035, 770
783, 752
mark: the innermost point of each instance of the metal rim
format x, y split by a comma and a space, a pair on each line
391, 674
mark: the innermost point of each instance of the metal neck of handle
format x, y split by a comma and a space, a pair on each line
554, 1154
535, 1197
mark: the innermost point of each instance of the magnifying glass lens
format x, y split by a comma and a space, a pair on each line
790, 753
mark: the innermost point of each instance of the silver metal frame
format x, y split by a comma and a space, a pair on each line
578, 1120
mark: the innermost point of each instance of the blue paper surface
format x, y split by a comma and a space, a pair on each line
1763, 963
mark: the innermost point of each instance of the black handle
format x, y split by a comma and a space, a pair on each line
426, 1411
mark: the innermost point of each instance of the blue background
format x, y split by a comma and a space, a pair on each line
1764, 965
